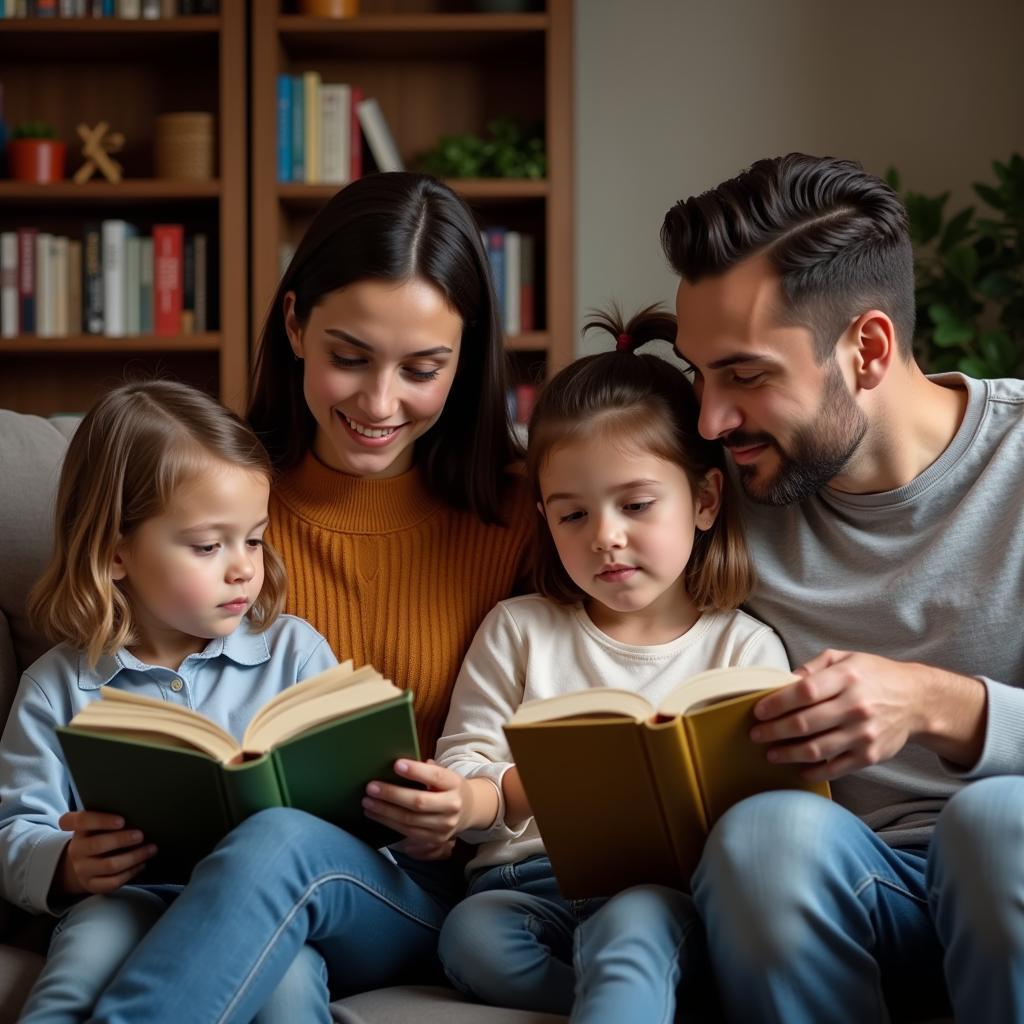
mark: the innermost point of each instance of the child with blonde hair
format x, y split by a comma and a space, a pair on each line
160, 584
641, 565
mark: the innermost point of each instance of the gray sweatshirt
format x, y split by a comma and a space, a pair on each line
931, 572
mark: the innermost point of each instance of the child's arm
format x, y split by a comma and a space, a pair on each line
35, 792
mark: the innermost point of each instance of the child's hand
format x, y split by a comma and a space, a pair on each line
102, 856
431, 817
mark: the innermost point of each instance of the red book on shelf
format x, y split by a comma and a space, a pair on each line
168, 279
355, 149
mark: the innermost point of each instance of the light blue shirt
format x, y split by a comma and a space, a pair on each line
227, 682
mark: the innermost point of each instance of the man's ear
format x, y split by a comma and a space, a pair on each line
872, 337
709, 499
291, 325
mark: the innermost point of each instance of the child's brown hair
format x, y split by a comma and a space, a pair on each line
648, 404
132, 450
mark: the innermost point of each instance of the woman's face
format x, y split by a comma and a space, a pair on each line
379, 360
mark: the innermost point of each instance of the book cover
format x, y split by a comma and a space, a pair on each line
186, 800
379, 140
625, 794
168, 279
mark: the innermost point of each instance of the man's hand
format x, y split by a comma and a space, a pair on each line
102, 855
850, 710
430, 818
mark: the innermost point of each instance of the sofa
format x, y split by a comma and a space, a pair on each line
31, 450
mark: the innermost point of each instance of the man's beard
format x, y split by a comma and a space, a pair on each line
820, 450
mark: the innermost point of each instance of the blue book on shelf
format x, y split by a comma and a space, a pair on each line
496, 257
298, 130
284, 128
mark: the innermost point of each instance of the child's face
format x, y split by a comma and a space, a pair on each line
623, 523
379, 360
192, 572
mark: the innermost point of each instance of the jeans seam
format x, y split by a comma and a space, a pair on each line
296, 907
889, 884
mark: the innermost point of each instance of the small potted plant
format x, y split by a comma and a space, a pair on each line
35, 154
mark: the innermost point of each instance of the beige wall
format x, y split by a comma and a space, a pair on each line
673, 96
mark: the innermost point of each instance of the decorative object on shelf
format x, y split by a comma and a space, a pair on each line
330, 8
970, 277
184, 145
35, 153
97, 145
508, 151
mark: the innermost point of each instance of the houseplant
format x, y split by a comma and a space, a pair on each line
35, 154
507, 150
970, 276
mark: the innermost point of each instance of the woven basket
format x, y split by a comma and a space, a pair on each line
184, 146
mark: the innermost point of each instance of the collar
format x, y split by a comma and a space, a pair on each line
243, 647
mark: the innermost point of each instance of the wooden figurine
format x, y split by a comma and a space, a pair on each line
97, 144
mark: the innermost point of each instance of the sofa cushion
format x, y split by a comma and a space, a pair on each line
426, 1004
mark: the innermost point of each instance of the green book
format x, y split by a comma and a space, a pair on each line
185, 782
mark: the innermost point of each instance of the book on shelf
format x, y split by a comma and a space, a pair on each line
9, 284
114, 236
284, 128
92, 280
379, 140
27, 280
527, 288
168, 280
146, 285
199, 292
513, 286
185, 782
624, 793
335, 132
311, 128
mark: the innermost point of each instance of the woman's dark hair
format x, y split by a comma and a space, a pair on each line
838, 236
645, 403
399, 227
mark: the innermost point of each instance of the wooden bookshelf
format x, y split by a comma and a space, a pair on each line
437, 68
126, 72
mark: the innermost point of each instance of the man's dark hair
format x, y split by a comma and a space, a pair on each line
838, 236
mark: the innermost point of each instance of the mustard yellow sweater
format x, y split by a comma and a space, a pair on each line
393, 576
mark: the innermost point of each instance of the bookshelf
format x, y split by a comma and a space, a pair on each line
437, 67
126, 72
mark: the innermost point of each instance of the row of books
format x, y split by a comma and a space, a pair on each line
112, 281
511, 255
149, 9
318, 131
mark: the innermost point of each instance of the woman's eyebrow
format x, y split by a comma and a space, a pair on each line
351, 339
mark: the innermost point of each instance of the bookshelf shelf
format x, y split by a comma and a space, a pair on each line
49, 38
532, 341
96, 343
474, 190
196, 24
128, 191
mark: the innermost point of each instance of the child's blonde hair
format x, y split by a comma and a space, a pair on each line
645, 403
131, 452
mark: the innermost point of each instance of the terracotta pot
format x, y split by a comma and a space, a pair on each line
330, 8
36, 160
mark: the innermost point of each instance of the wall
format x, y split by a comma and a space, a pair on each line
674, 96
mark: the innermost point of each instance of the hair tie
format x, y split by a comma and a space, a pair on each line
623, 343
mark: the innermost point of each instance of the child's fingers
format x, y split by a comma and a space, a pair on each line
92, 868
109, 883
89, 821
102, 843
428, 773
436, 828
420, 801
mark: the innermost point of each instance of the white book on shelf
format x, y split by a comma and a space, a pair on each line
44, 286
378, 136
513, 283
9, 284
335, 132
113, 240
59, 260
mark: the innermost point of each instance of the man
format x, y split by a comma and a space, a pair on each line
885, 513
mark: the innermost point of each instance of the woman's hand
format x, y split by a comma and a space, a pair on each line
102, 856
434, 816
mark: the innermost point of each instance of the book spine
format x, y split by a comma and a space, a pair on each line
298, 130
513, 254
355, 140
59, 260
115, 237
334, 134
527, 301
27, 280
311, 117
496, 257
44, 295
379, 139
132, 286
188, 302
9, 284
200, 294
146, 286
250, 787
284, 128
168, 287
74, 279
92, 279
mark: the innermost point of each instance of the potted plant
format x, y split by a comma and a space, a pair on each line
970, 277
35, 154
506, 151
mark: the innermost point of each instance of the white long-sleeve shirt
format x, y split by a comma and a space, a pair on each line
530, 647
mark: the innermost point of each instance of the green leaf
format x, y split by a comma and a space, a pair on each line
991, 196
892, 179
953, 334
997, 285
939, 313
962, 263
974, 367
957, 229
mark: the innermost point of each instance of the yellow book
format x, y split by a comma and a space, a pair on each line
624, 793
311, 117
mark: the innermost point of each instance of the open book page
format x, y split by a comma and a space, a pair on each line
129, 713
599, 700
718, 684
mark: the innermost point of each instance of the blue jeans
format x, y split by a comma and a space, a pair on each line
93, 939
281, 879
810, 917
516, 942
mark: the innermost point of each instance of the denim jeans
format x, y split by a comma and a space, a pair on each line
282, 879
93, 939
514, 941
810, 917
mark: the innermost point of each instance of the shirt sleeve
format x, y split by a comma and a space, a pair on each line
764, 648
35, 791
320, 658
1002, 752
488, 690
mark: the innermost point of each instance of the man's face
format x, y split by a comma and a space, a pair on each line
789, 424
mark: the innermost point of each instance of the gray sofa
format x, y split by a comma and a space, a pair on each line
31, 450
